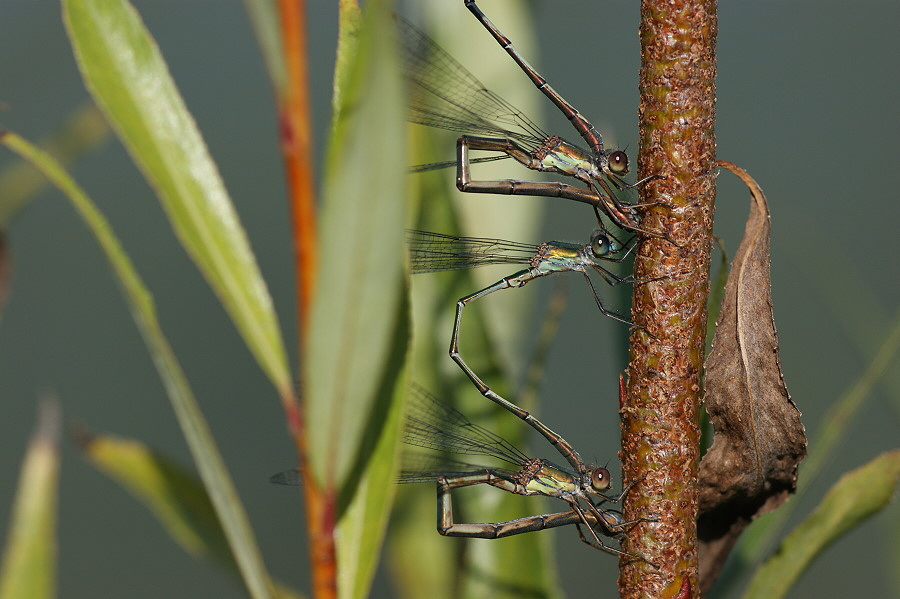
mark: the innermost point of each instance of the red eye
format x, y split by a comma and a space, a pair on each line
600, 479
618, 162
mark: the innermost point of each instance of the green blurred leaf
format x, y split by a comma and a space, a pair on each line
264, 18
194, 428
424, 563
518, 218
83, 131
856, 496
174, 495
349, 22
127, 76
359, 329
361, 529
29, 560
353, 354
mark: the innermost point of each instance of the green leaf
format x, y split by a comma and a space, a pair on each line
264, 19
359, 328
353, 353
83, 131
29, 560
127, 76
209, 462
423, 562
349, 22
361, 529
174, 495
856, 496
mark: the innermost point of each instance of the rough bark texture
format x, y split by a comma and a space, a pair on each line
660, 432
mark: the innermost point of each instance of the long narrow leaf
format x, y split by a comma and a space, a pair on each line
361, 530
494, 339
196, 432
855, 497
357, 341
83, 131
129, 79
352, 349
423, 562
174, 495
263, 18
29, 560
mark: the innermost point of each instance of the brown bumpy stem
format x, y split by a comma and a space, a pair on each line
660, 433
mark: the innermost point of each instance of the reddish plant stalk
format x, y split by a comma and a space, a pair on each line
660, 413
296, 146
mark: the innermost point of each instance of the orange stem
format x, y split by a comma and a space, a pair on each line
296, 145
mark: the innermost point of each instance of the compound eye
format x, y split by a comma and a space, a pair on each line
600, 479
600, 244
618, 162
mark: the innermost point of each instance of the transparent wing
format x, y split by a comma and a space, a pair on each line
435, 252
432, 424
444, 94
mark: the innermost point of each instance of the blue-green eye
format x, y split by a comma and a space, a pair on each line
600, 244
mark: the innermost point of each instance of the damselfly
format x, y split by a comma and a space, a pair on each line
445, 95
434, 425
431, 252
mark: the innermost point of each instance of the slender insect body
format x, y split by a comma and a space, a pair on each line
552, 481
559, 156
561, 256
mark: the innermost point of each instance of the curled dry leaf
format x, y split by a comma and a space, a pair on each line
759, 440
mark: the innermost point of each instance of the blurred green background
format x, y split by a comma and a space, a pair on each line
807, 97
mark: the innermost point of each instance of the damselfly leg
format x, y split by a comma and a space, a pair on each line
431, 252
608, 522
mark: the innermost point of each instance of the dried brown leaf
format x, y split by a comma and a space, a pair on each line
759, 440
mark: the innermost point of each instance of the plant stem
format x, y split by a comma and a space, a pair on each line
296, 145
295, 127
660, 432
